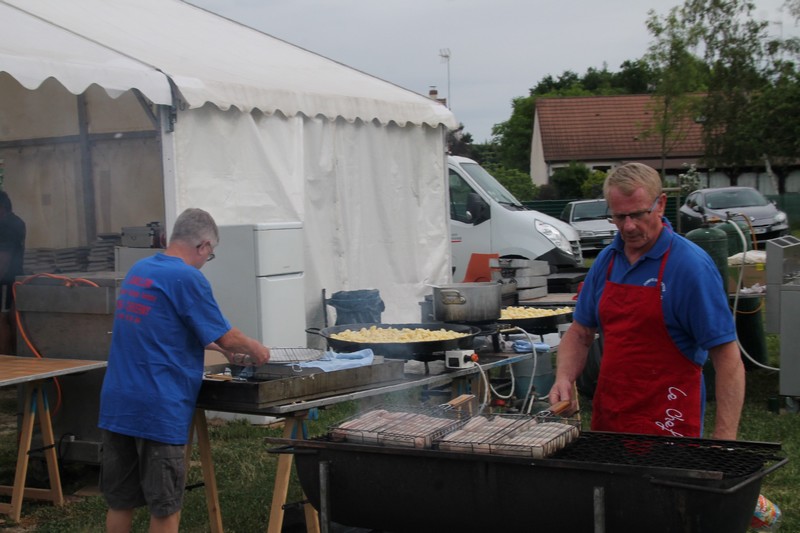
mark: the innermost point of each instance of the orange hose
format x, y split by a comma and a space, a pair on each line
69, 282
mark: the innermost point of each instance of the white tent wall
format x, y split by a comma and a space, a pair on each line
371, 197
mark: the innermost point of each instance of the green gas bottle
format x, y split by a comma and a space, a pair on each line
734, 239
715, 242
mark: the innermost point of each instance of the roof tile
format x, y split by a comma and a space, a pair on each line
608, 127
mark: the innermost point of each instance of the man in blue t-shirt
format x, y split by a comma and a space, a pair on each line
166, 317
661, 305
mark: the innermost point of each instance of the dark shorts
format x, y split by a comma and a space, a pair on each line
137, 472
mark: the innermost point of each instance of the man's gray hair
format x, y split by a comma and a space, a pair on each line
631, 176
194, 226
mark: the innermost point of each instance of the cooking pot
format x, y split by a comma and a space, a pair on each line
467, 302
420, 350
538, 325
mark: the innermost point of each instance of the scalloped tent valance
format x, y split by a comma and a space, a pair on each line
125, 44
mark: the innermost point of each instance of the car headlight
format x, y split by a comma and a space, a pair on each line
780, 218
554, 236
585, 233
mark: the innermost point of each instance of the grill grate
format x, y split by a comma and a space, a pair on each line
731, 459
294, 355
408, 427
515, 435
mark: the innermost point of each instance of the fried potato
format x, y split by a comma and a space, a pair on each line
376, 334
512, 312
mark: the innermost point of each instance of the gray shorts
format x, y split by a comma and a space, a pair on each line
135, 472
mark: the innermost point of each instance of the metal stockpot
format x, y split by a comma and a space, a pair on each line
467, 302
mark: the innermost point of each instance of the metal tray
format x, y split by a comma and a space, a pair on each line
273, 385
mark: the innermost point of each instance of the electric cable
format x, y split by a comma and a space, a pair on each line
738, 284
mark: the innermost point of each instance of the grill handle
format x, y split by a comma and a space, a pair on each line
291, 450
715, 490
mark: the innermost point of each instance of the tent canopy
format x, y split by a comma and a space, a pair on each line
124, 44
264, 131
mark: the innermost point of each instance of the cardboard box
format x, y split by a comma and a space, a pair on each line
753, 274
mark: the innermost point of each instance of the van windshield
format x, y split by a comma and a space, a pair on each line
487, 182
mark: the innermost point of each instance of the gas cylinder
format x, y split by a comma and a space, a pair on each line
715, 242
734, 239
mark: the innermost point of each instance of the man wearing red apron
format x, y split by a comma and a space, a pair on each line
661, 305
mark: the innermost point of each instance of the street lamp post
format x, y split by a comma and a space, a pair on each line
444, 53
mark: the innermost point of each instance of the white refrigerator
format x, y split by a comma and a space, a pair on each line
257, 278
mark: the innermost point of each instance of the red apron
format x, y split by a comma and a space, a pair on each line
646, 385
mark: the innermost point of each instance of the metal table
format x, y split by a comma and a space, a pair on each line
31, 374
295, 415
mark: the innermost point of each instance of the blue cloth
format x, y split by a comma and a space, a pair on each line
331, 361
694, 299
523, 346
166, 314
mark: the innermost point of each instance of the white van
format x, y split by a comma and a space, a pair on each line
486, 218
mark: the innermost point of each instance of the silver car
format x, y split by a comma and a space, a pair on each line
590, 219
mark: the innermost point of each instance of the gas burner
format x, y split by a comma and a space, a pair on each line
488, 328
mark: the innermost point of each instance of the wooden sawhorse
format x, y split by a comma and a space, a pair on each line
35, 403
292, 424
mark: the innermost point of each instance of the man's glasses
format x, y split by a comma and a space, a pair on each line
211, 256
619, 218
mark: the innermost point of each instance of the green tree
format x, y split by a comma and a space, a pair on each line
568, 180
635, 77
592, 187
460, 143
518, 183
678, 74
734, 46
514, 135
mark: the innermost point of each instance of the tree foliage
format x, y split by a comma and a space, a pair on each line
569, 180
710, 61
518, 183
750, 107
592, 187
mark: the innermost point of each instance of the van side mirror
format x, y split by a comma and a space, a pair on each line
477, 208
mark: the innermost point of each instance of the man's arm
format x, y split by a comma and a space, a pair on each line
573, 351
729, 387
240, 349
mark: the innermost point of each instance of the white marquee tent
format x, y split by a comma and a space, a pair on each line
116, 113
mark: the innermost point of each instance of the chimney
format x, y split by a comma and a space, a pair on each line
433, 94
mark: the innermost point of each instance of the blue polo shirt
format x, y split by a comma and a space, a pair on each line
694, 299
166, 314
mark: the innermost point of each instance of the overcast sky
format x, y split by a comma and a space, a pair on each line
499, 49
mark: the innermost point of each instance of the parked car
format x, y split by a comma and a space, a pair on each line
590, 219
718, 205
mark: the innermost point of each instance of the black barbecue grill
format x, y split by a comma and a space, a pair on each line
626, 482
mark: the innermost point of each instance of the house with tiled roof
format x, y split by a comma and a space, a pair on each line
604, 132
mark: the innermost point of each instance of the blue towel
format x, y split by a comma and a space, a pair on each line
522, 346
331, 361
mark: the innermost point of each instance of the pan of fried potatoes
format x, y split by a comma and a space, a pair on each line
401, 341
535, 319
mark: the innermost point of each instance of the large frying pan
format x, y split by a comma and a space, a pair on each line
420, 350
539, 325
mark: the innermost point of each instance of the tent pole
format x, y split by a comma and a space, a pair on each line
90, 220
